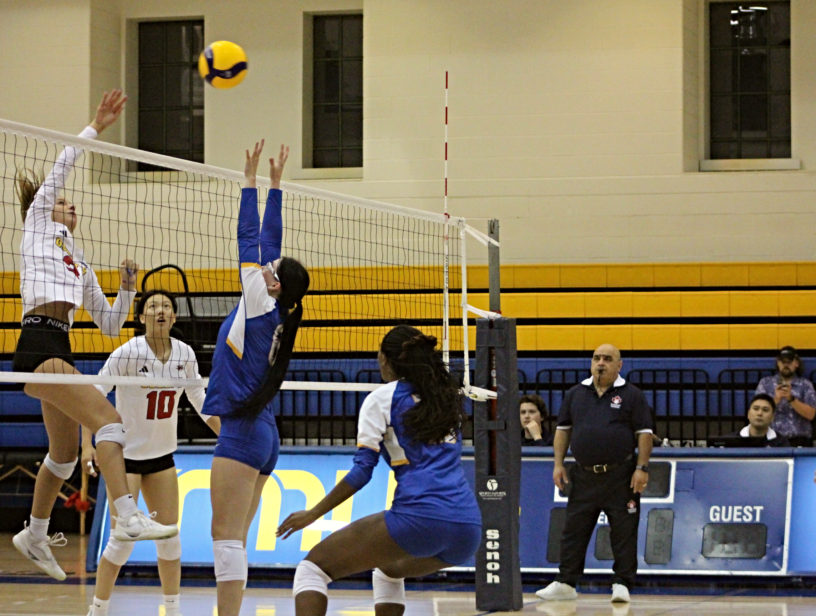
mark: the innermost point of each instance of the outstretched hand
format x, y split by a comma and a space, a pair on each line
109, 109
251, 164
128, 271
276, 166
294, 522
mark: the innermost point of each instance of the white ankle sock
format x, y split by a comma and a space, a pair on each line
125, 506
100, 606
172, 605
38, 528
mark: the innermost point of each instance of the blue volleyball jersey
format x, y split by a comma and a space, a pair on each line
430, 479
246, 337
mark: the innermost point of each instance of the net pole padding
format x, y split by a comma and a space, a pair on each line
177, 164
497, 452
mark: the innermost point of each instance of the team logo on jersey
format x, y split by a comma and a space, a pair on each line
616, 402
179, 367
70, 265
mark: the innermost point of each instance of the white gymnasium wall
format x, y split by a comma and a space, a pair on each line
45, 77
577, 123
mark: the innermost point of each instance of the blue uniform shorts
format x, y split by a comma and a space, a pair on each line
452, 542
254, 442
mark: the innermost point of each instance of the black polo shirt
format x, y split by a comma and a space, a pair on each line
603, 430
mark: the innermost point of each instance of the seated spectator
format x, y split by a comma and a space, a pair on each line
533, 410
794, 396
760, 414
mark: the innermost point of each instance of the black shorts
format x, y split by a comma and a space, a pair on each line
41, 338
148, 467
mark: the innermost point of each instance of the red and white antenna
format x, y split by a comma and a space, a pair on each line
446, 259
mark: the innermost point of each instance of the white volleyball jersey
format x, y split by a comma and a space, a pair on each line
149, 412
52, 268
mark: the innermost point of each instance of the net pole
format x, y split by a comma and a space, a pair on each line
446, 248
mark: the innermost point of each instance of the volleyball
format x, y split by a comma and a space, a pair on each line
223, 64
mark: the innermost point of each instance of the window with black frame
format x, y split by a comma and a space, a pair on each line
171, 93
337, 91
749, 77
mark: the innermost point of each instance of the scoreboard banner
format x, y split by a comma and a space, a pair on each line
707, 515
729, 514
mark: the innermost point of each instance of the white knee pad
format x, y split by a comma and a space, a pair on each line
229, 556
308, 576
387, 589
169, 549
63, 471
113, 432
117, 551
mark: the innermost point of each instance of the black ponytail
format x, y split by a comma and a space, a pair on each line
412, 356
294, 281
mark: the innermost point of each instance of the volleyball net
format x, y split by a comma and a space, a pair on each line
372, 265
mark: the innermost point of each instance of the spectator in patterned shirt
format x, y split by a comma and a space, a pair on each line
794, 396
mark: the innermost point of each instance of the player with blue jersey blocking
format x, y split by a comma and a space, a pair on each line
252, 352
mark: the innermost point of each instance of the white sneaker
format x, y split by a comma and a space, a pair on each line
139, 526
620, 594
557, 591
39, 552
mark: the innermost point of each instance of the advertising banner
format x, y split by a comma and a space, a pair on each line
707, 515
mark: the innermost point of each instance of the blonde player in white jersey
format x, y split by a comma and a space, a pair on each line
149, 414
55, 280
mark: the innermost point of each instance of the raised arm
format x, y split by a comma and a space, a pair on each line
248, 220
272, 229
108, 111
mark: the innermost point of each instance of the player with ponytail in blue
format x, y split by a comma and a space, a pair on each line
251, 356
414, 422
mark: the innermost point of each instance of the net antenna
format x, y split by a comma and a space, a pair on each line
445, 252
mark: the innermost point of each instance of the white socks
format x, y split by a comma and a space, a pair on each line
125, 506
38, 528
99, 607
172, 605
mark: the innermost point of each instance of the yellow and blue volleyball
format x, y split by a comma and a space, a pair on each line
223, 64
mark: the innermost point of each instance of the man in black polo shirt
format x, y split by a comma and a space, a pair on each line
604, 418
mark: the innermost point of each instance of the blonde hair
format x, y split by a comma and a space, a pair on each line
27, 183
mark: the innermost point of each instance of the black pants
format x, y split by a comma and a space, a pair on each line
592, 493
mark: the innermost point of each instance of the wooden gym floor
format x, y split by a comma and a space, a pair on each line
23, 591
